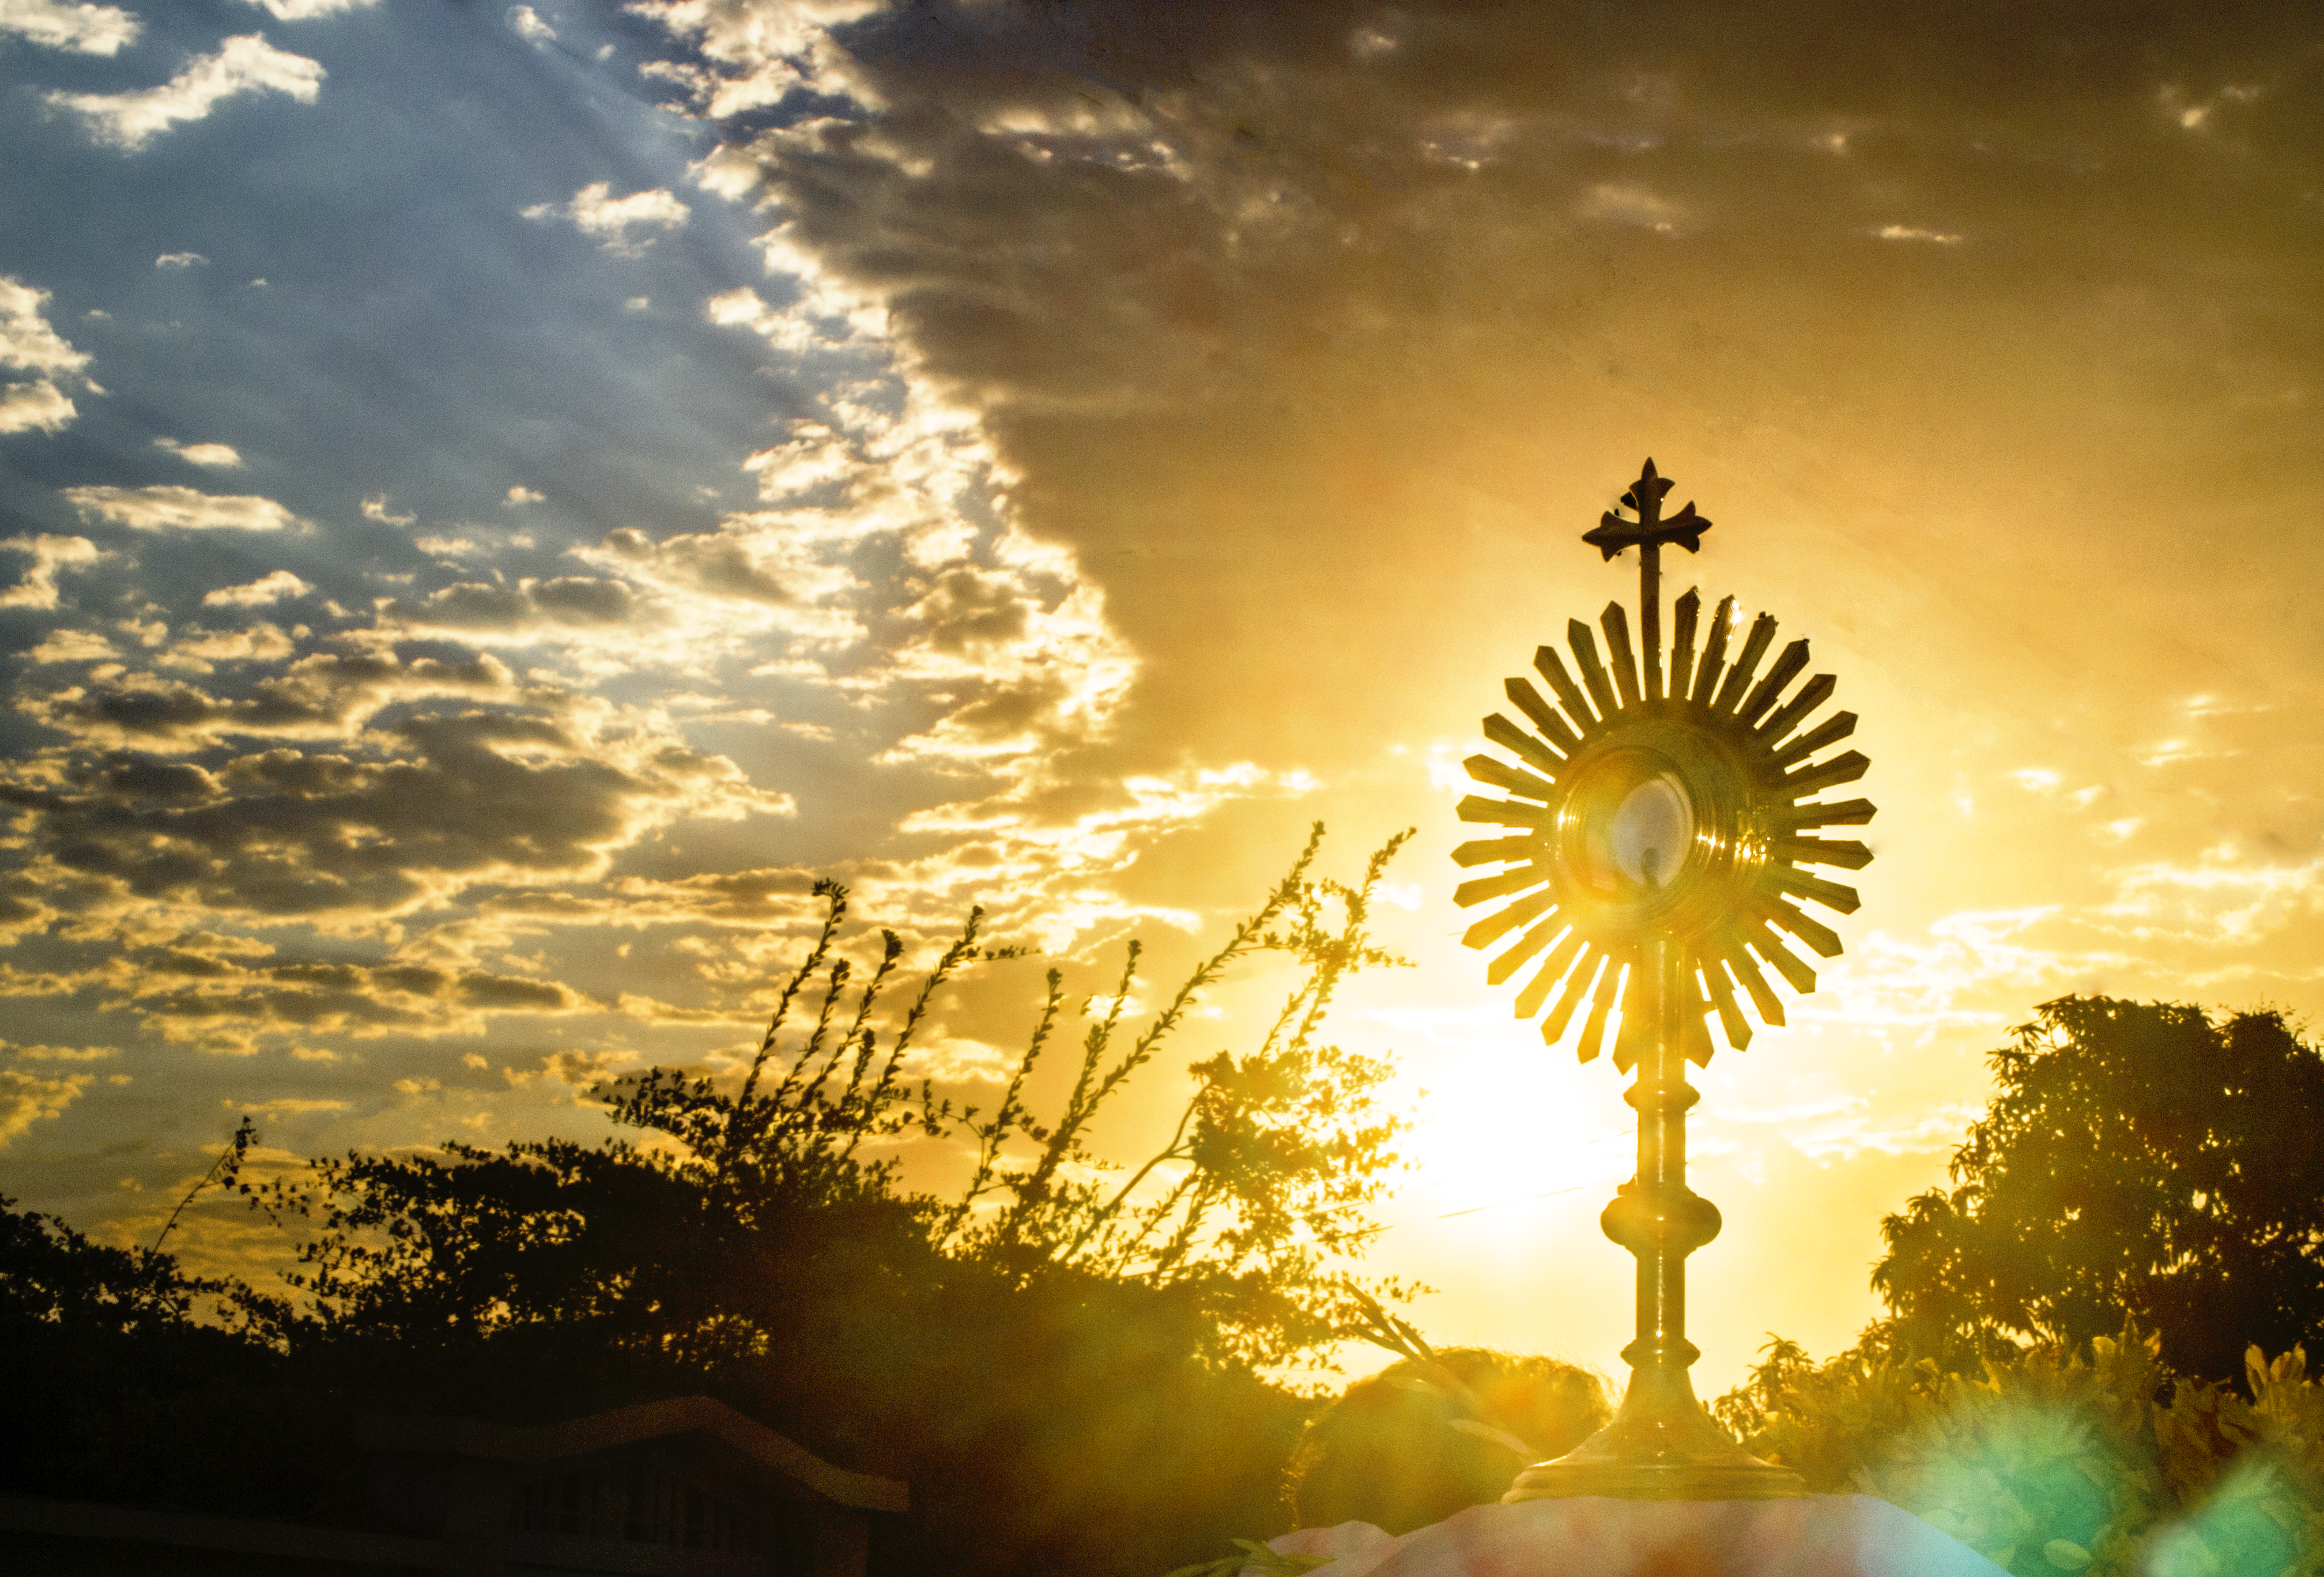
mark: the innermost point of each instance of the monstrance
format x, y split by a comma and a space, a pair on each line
1662, 823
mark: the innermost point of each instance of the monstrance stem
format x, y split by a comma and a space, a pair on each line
1650, 614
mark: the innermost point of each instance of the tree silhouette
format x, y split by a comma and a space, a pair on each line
2140, 1160
1065, 1357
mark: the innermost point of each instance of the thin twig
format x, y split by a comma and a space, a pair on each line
222, 1171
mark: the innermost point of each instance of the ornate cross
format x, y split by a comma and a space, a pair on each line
1647, 534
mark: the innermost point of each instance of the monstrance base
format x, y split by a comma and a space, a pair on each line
1662, 1445
1566, 1480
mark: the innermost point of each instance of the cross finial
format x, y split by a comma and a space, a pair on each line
1649, 531
1647, 534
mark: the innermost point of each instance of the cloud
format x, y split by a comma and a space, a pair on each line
198, 651
165, 507
35, 407
1011, 641
364, 794
480, 609
29, 343
376, 509
2191, 115
58, 24
1620, 203
968, 608
59, 1053
749, 560
1845, 1127
322, 696
279, 586
579, 1070
191, 988
526, 23
1915, 233
50, 555
215, 457
309, 10
595, 211
757, 55
521, 496
1147, 298
181, 260
246, 64
28, 1098
72, 646
400, 818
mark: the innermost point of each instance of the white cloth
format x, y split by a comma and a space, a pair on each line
1817, 1536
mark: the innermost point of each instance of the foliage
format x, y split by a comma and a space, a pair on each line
124, 1382
1253, 1203
1063, 1345
2139, 1158
1436, 1432
2057, 1461
51, 1275
1424, 1438
2141, 1162
1432, 1434
1274, 1153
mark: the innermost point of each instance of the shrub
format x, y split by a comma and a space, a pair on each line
1426, 1437
2053, 1462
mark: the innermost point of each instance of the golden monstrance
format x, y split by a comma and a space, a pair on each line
1661, 820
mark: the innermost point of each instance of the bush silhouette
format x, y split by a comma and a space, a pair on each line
1426, 1437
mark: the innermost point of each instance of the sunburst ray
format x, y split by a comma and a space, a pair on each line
1731, 1022
1577, 986
1684, 613
1547, 663
1552, 971
1714, 652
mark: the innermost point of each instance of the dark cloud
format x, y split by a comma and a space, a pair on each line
571, 601
1293, 320
712, 562
320, 693
1001, 711
969, 607
470, 795
187, 995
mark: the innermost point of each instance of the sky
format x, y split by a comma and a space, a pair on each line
495, 501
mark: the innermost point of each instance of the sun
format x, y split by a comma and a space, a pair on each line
1644, 807
1493, 1134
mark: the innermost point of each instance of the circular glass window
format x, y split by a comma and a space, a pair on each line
1637, 829
1653, 827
